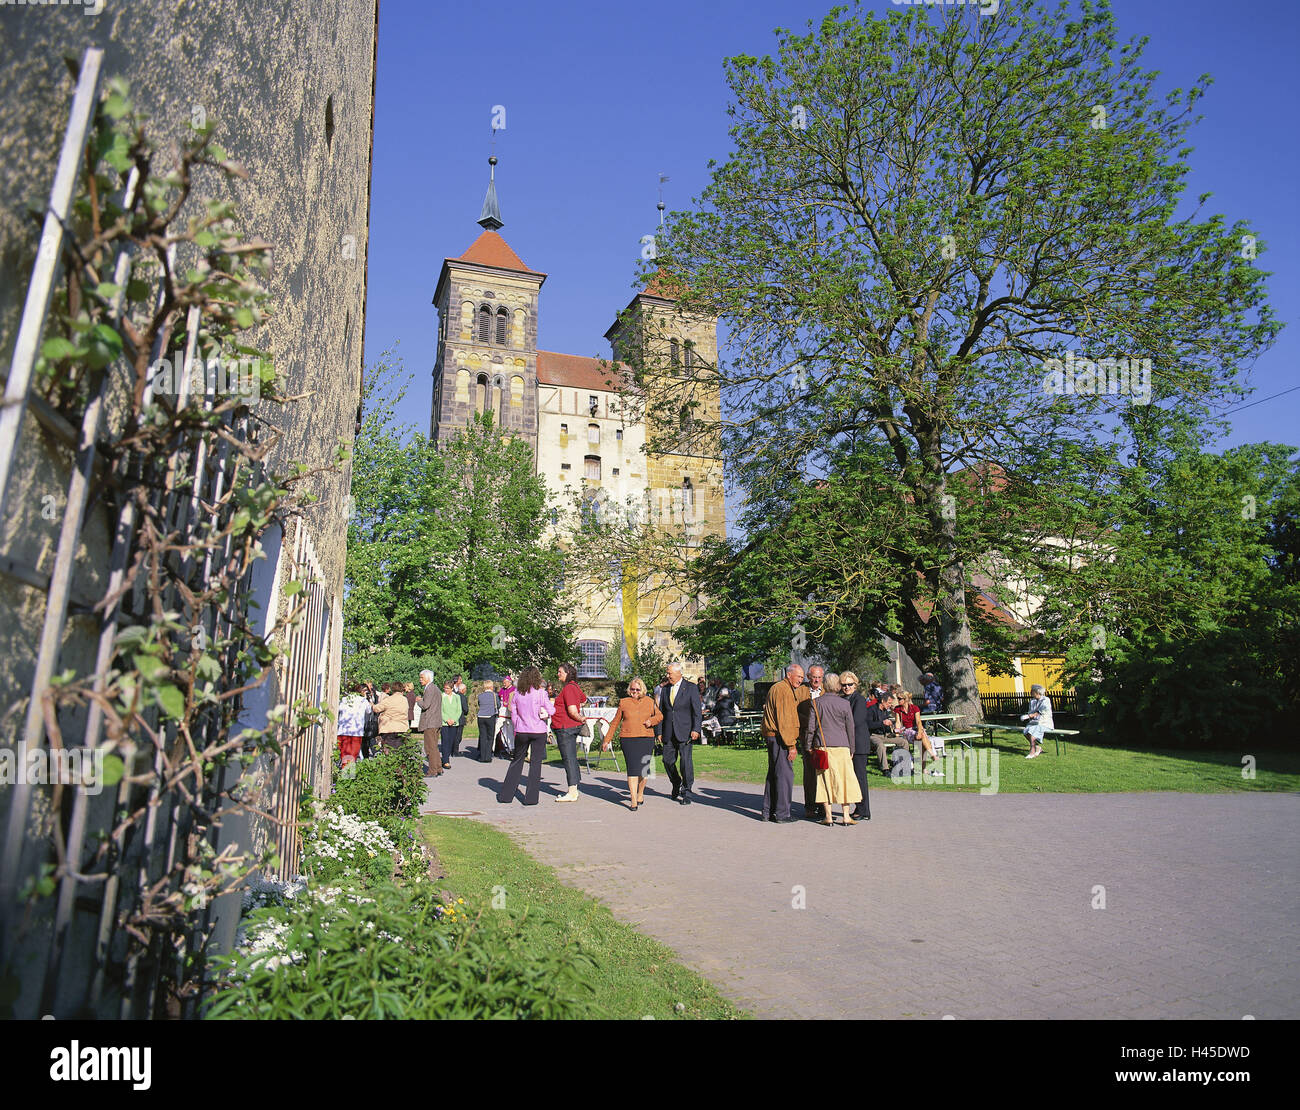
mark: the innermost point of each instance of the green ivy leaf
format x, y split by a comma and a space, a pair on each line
149, 666
244, 317
171, 701
291, 588
116, 105
114, 769
108, 289
58, 348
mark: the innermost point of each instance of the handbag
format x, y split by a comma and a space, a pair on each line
821, 759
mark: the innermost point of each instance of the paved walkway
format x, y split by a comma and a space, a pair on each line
944, 903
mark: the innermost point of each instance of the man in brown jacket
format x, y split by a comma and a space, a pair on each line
781, 731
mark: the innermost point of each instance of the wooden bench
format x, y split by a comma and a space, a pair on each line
1059, 735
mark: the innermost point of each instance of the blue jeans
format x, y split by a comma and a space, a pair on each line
567, 740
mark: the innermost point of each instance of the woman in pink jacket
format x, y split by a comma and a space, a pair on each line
530, 712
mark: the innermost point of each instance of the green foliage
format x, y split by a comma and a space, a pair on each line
398, 952
893, 279
445, 555
395, 665
648, 661
338, 845
1194, 638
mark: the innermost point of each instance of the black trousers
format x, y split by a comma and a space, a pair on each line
447, 743
673, 750
487, 727
525, 743
780, 781
860, 761
811, 807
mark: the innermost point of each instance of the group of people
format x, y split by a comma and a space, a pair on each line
837, 728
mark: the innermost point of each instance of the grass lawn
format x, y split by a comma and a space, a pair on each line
1079, 769
635, 976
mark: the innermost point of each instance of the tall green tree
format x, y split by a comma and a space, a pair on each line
920, 211
446, 549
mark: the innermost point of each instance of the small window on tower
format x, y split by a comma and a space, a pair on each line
484, 324
618, 434
593, 403
503, 326
674, 354
593, 434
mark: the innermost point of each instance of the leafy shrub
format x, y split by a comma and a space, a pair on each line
399, 666
341, 844
389, 786
395, 952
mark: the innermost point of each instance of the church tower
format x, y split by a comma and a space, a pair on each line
487, 302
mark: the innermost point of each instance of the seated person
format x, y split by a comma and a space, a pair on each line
910, 727
880, 723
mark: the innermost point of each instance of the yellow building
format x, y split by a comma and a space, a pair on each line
587, 422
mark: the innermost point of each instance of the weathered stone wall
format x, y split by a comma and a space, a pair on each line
290, 89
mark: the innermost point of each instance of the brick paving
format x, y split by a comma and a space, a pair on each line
944, 903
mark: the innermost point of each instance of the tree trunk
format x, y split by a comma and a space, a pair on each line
962, 693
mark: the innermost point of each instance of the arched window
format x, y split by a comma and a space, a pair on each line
591, 510
591, 468
500, 399
516, 393
481, 404
462, 387
688, 499
503, 325
690, 356
591, 658
593, 434
484, 324
674, 355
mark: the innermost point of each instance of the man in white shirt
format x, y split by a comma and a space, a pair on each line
816, 686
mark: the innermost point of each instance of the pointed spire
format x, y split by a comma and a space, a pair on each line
490, 217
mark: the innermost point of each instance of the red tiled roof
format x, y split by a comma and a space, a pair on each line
578, 372
663, 284
489, 249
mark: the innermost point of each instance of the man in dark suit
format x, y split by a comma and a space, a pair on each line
680, 704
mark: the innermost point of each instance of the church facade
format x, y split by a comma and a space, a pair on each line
588, 427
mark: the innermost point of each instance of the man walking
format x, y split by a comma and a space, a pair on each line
932, 700
430, 707
680, 704
781, 732
487, 721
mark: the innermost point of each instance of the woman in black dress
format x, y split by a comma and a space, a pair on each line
636, 715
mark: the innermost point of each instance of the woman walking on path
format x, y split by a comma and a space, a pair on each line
636, 715
530, 709
567, 722
450, 719
830, 727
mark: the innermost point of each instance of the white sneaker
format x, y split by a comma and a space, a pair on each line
571, 796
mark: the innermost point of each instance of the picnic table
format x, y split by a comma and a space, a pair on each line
939, 727
747, 728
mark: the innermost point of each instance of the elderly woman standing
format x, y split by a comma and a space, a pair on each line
830, 727
636, 716
450, 722
1039, 718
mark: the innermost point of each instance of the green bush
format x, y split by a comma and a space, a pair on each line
399, 666
389, 786
395, 952
340, 845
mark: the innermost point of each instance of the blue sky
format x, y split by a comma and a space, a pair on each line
600, 98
